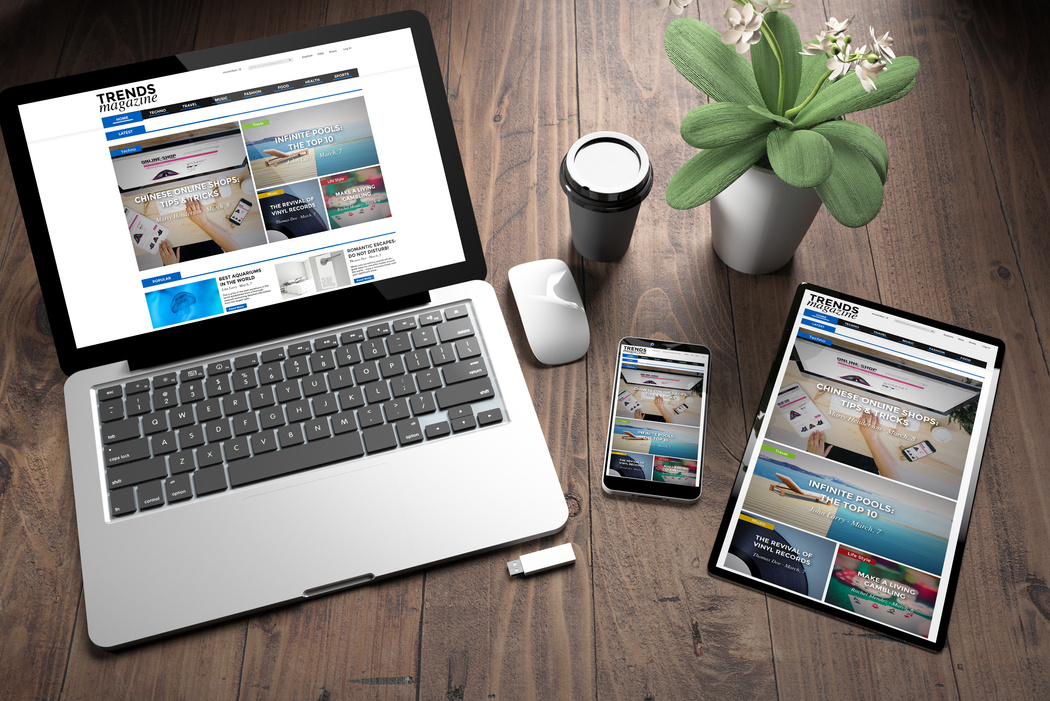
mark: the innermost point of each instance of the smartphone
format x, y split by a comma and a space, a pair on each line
240, 211
800, 411
661, 454
918, 451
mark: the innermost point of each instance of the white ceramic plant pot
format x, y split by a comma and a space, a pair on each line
759, 221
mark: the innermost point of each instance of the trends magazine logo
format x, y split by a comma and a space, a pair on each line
635, 349
123, 98
833, 306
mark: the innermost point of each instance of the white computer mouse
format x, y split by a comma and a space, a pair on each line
551, 311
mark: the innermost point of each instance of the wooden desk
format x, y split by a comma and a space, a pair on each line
962, 237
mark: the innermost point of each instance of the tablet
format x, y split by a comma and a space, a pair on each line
854, 493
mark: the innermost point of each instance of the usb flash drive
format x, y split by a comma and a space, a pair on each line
543, 560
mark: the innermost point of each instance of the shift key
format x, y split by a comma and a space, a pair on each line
464, 392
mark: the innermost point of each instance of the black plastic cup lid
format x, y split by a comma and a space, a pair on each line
607, 166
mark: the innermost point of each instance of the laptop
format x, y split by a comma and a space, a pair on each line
265, 280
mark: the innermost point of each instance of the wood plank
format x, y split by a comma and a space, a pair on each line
1007, 67
943, 241
512, 94
662, 625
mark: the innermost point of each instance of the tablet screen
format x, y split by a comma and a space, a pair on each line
856, 487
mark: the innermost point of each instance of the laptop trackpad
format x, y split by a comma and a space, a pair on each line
330, 528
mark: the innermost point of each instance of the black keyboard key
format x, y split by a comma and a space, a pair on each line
428, 379
440, 355
408, 432
405, 324
122, 502
235, 449
396, 410
209, 480
398, 343
182, 461
457, 412
463, 423
417, 360
464, 392
377, 392
392, 367
272, 355
300, 348
454, 330
183, 416
190, 392
402, 386
211, 409
151, 495
136, 386
111, 410
243, 425
163, 443
155, 422
298, 411
290, 435
370, 416
126, 475
218, 386
324, 405
250, 360
344, 422
492, 416
379, 438
348, 355
288, 391
370, 350
219, 367
165, 380
421, 338
464, 370
178, 488
378, 330
191, 437
366, 372
323, 361
430, 318
110, 393
317, 429
138, 404
164, 398
263, 443
120, 431
468, 348
351, 398
208, 455
236, 403
338, 379
296, 367
326, 342
270, 373
128, 451
219, 430
352, 336
438, 430
261, 398
456, 312
301, 457
189, 374
244, 379
422, 404
314, 385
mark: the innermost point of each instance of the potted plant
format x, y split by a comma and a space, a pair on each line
774, 141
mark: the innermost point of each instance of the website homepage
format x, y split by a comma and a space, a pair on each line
240, 186
867, 455
657, 416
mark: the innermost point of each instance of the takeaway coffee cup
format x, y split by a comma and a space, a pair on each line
606, 175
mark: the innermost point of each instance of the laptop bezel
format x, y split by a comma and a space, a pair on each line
256, 325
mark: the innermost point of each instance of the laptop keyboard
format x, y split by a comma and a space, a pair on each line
236, 421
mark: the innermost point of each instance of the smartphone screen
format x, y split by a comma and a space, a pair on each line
656, 428
919, 450
240, 211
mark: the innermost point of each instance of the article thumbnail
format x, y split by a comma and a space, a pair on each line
780, 555
656, 395
674, 471
855, 508
319, 272
310, 142
187, 196
883, 591
355, 197
631, 436
291, 211
633, 465
174, 305
876, 412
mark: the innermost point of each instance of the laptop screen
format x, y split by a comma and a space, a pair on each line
243, 184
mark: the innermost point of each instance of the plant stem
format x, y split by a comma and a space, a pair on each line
792, 112
775, 45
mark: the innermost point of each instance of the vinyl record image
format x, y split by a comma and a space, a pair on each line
765, 554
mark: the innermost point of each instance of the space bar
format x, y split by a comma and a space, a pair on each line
296, 458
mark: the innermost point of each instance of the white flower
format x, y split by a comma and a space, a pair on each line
882, 46
776, 5
867, 70
836, 27
677, 6
838, 60
743, 28
820, 45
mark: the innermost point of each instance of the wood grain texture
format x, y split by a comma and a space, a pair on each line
963, 237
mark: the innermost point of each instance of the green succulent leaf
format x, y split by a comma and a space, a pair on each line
847, 95
813, 67
782, 121
697, 52
853, 194
721, 124
764, 60
862, 138
712, 170
801, 158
